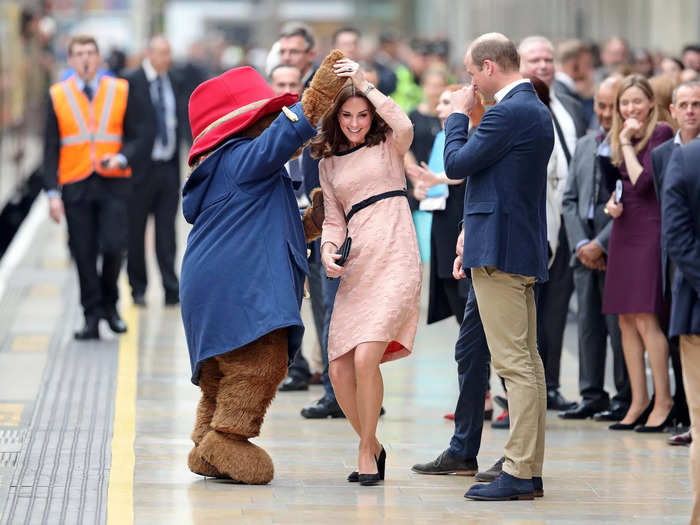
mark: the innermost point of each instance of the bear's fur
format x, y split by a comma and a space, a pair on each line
238, 387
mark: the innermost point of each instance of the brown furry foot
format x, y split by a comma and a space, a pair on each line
251, 375
201, 467
237, 458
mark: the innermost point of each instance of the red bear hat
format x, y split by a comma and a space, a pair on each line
228, 104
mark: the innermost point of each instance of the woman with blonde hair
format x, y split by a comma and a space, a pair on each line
633, 279
361, 144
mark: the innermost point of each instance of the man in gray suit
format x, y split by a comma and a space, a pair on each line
537, 58
588, 229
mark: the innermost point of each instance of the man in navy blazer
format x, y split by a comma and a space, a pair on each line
505, 242
685, 109
681, 239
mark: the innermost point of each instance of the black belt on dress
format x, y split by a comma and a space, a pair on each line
371, 200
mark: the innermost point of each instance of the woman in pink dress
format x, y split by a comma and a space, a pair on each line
362, 141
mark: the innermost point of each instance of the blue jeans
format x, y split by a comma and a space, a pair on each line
329, 288
473, 357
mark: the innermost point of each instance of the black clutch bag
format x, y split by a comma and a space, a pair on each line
344, 251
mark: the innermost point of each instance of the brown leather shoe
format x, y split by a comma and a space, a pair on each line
684, 439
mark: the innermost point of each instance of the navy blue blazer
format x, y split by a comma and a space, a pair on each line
505, 163
660, 157
680, 223
245, 264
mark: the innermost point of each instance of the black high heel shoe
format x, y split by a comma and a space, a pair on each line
670, 419
354, 476
637, 422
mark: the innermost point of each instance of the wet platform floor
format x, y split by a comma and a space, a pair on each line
99, 432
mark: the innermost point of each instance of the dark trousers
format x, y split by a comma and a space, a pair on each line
330, 288
322, 292
594, 328
473, 357
97, 225
680, 403
299, 369
552, 309
155, 193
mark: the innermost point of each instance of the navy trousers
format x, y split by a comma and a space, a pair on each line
473, 358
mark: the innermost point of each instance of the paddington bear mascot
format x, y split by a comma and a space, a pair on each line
243, 272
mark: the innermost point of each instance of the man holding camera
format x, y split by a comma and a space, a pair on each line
92, 134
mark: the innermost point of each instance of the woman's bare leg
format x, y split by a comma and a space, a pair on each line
342, 374
656, 345
370, 392
633, 349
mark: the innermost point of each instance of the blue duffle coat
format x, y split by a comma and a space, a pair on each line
245, 263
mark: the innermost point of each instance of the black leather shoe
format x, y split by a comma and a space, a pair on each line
291, 384
172, 298
445, 463
585, 409
492, 473
616, 413
322, 409
555, 401
139, 299
89, 331
115, 323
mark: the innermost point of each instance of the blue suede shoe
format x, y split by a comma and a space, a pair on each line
538, 487
505, 487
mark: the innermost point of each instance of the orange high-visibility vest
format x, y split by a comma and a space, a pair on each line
89, 130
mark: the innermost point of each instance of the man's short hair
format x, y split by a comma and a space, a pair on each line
283, 66
695, 48
80, 40
570, 50
529, 40
346, 29
498, 49
291, 29
690, 84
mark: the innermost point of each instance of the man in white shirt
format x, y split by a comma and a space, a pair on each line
537, 58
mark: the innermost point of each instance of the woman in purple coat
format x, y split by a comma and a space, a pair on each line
633, 281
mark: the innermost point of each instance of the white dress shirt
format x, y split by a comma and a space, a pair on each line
498, 96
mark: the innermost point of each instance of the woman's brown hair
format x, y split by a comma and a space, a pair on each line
663, 91
618, 122
330, 139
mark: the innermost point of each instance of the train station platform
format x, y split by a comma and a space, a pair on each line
98, 432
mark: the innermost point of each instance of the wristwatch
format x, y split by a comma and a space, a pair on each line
369, 88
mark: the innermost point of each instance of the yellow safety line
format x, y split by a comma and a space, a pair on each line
120, 495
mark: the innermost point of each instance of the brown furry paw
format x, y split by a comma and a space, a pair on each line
314, 216
197, 465
237, 458
325, 85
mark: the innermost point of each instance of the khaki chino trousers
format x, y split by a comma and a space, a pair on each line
690, 361
507, 305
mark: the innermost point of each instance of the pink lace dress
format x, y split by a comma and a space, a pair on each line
379, 292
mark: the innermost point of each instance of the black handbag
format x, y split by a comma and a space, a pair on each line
344, 250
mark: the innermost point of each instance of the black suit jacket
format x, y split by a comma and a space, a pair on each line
134, 148
660, 158
681, 235
139, 85
575, 109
